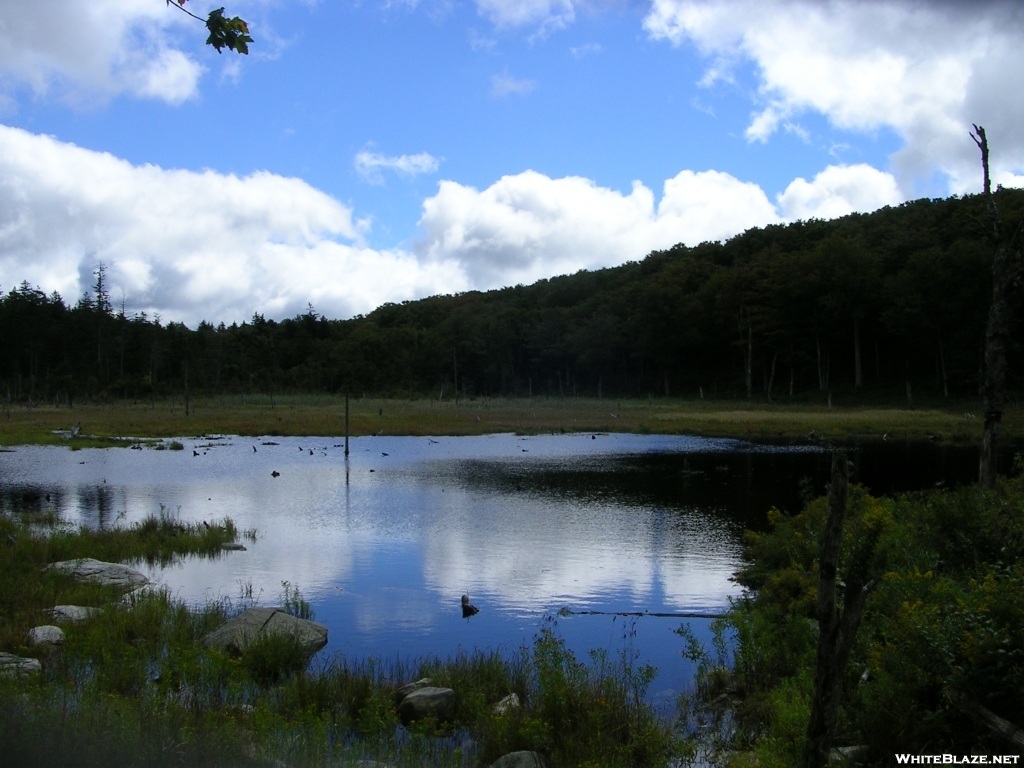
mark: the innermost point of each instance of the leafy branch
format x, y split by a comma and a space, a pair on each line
231, 33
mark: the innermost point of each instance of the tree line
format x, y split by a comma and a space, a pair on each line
890, 303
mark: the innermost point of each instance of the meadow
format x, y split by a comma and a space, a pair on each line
324, 415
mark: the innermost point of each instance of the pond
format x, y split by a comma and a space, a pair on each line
383, 545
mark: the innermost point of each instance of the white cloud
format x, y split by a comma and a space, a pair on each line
530, 226
837, 191
212, 246
95, 49
548, 15
191, 245
580, 51
504, 84
370, 164
923, 69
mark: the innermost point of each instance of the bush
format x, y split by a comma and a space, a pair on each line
942, 625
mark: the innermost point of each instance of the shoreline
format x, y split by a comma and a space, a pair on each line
106, 424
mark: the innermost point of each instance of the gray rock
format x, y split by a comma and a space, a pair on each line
46, 635
73, 613
235, 634
846, 755
428, 702
506, 705
405, 690
92, 571
523, 759
12, 666
233, 545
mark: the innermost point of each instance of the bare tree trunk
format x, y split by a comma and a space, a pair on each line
942, 361
750, 359
835, 632
858, 379
997, 332
771, 379
821, 378
455, 374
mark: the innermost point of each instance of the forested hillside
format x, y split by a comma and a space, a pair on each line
875, 301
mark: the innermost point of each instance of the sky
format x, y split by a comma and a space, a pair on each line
372, 151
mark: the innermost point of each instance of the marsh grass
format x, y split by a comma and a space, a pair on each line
32, 538
324, 415
135, 685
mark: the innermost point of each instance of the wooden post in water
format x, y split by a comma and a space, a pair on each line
346, 425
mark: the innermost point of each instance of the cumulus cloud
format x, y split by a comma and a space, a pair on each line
837, 191
529, 226
370, 164
191, 245
504, 84
926, 70
194, 246
95, 49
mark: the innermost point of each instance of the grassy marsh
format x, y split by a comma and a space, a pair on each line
111, 423
135, 686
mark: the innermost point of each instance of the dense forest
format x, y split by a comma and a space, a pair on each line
892, 303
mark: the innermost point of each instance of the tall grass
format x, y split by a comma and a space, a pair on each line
30, 540
136, 686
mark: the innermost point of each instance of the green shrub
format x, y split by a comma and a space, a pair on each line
942, 624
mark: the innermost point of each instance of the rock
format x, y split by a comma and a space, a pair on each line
97, 572
12, 666
433, 702
523, 759
507, 704
233, 545
405, 690
73, 613
846, 755
235, 634
46, 635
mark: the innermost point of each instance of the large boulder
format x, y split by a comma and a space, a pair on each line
237, 633
12, 666
73, 613
523, 759
405, 690
91, 571
438, 703
46, 635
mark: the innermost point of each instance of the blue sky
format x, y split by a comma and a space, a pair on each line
381, 151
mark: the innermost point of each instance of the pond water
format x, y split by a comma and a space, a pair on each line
384, 544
